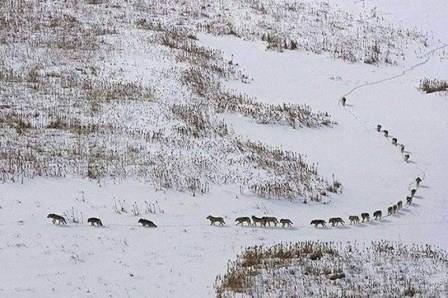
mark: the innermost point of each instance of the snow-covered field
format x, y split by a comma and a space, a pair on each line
183, 255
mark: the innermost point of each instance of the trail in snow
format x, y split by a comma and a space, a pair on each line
277, 90
429, 54
403, 73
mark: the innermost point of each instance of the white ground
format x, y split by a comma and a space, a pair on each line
182, 257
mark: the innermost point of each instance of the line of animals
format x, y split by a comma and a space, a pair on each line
406, 156
354, 219
385, 132
94, 221
252, 221
268, 220
365, 217
334, 221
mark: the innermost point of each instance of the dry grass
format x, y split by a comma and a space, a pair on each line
431, 86
68, 111
316, 269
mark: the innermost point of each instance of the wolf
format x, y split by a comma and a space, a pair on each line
354, 219
399, 204
378, 128
413, 191
377, 214
390, 210
402, 148
317, 222
286, 222
214, 220
409, 200
395, 207
269, 219
335, 221
57, 219
95, 221
242, 220
365, 216
418, 180
147, 223
386, 133
406, 157
259, 220
394, 141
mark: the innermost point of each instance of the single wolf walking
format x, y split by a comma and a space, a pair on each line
377, 214
286, 222
365, 216
147, 223
334, 221
94, 221
270, 219
243, 219
57, 219
354, 219
418, 180
213, 220
390, 210
317, 222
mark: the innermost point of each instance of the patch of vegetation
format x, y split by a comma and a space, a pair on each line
76, 103
317, 269
433, 85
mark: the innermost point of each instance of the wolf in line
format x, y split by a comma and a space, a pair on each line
286, 222
317, 222
213, 220
147, 223
365, 217
334, 221
395, 207
354, 219
390, 210
95, 221
418, 180
243, 219
270, 219
57, 219
258, 220
377, 214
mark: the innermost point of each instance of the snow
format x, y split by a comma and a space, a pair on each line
182, 257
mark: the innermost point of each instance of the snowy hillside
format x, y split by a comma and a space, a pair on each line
176, 110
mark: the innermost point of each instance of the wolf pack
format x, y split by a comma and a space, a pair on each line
271, 221
365, 216
333, 221
268, 221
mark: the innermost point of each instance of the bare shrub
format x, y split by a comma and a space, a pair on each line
431, 86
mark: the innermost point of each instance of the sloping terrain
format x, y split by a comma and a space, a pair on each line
127, 110
90, 92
